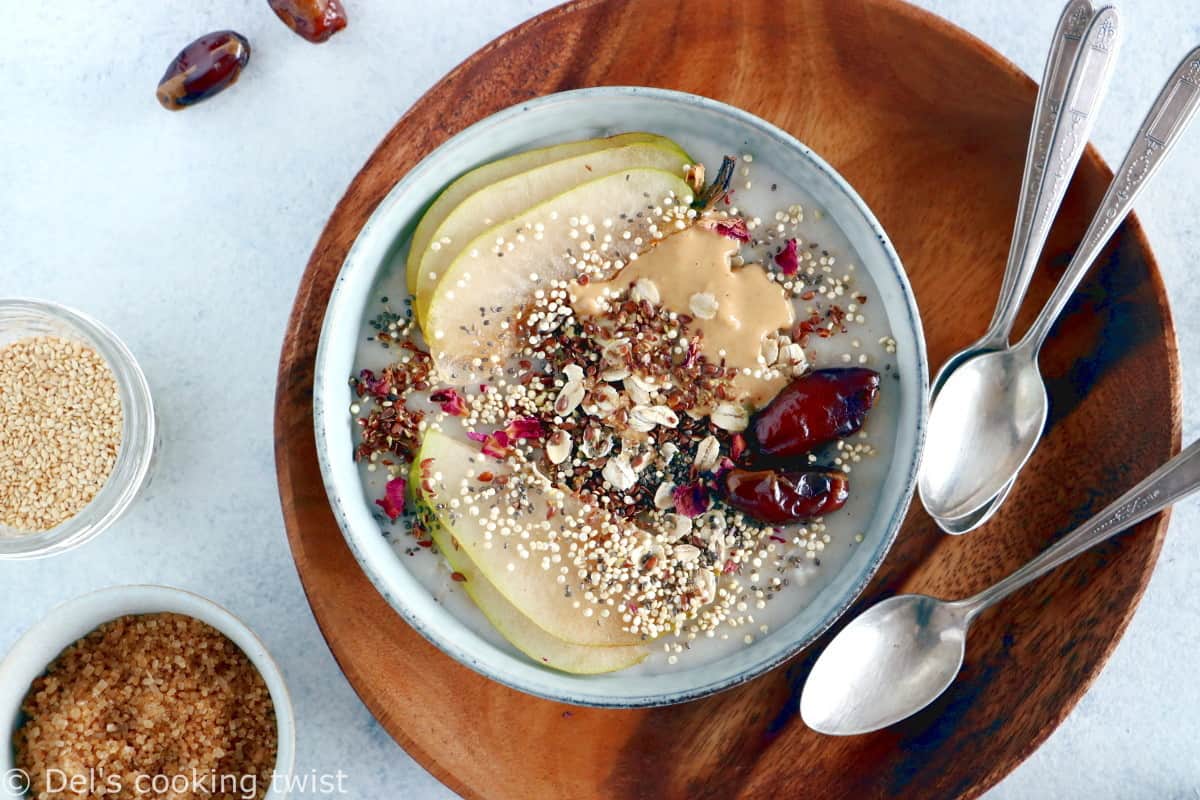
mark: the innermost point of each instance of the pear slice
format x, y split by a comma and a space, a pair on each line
522, 582
507, 198
488, 282
521, 631
493, 172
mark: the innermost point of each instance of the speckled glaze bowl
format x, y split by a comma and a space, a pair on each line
378, 253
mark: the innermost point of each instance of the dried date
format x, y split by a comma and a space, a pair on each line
816, 409
782, 497
315, 20
205, 67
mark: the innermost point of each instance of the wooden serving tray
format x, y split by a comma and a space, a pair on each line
930, 126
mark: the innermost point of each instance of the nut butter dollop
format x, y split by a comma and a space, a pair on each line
733, 308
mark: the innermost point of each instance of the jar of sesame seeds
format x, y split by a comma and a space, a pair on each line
78, 433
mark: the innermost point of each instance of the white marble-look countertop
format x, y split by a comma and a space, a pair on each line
187, 233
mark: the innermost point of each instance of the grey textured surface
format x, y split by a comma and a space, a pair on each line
187, 234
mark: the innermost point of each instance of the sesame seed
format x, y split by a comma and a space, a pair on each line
60, 430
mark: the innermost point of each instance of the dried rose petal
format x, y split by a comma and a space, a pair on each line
393, 498
496, 450
737, 446
525, 428
376, 386
722, 468
495, 444
788, 259
691, 500
450, 401
732, 227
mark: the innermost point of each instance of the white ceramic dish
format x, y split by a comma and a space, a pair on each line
378, 252
74, 619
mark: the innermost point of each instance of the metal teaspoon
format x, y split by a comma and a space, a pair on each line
901, 654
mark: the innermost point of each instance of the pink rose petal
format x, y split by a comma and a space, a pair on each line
393, 498
788, 259
731, 227
691, 500
525, 428
495, 445
725, 465
372, 384
450, 401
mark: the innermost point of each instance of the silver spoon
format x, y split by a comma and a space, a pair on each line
1033, 218
988, 417
900, 655
1029, 239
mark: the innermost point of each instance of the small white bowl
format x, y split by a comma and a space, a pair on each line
22, 318
71, 621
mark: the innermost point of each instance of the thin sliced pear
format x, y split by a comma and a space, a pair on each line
488, 283
508, 198
532, 590
495, 171
521, 631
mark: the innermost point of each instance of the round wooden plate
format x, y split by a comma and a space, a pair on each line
930, 126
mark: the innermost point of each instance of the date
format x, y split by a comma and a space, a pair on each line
206, 67
315, 20
782, 497
813, 410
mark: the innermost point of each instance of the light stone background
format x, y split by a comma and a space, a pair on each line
187, 233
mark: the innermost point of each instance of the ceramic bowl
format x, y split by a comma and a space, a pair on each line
376, 259
76, 618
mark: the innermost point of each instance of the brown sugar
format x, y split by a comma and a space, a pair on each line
142, 701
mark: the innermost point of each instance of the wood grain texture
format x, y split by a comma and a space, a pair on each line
930, 126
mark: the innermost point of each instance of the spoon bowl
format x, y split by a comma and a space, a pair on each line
953, 363
984, 425
914, 641
956, 526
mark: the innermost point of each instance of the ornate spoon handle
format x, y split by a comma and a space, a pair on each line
1163, 127
1077, 75
1171, 482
